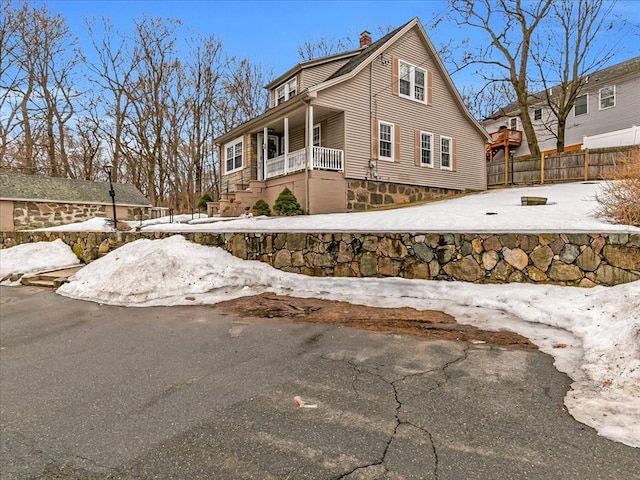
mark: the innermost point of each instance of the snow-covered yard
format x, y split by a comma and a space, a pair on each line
593, 334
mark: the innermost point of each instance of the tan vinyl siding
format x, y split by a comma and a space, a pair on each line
313, 75
296, 139
443, 118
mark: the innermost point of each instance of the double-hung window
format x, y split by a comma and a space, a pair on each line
426, 149
537, 114
286, 91
581, 106
233, 155
446, 153
412, 81
316, 136
385, 140
607, 97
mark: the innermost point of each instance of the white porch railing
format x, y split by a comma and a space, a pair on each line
323, 159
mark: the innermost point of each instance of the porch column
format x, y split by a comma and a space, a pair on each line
286, 144
265, 142
310, 138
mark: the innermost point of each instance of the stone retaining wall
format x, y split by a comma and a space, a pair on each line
583, 260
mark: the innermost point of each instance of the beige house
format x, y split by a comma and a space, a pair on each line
33, 201
379, 125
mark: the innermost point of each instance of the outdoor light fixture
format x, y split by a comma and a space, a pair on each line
112, 193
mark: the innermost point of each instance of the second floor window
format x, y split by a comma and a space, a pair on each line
607, 97
412, 82
233, 157
537, 114
316, 136
513, 123
286, 91
581, 105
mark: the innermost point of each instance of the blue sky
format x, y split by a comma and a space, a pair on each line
269, 32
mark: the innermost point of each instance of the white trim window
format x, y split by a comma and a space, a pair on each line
233, 155
446, 153
412, 82
385, 140
537, 114
581, 105
426, 149
513, 123
316, 135
607, 97
286, 91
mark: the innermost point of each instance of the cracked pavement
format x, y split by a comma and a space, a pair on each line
99, 392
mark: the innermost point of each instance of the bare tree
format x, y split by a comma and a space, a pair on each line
565, 56
40, 64
485, 101
112, 74
510, 26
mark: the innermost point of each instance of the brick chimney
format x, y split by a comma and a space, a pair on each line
365, 39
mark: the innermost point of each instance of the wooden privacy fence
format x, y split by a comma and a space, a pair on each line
582, 165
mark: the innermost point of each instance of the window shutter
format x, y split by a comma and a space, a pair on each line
396, 143
454, 155
417, 138
374, 138
394, 75
323, 134
429, 88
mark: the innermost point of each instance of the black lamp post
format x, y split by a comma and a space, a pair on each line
112, 193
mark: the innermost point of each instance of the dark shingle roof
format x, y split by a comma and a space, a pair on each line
366, 53
14, 186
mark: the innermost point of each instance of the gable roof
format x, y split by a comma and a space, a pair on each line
603, 77
357, 64
362, 57
16, 186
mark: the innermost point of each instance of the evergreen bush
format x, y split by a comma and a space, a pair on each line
287, 204
261, 208
202, 201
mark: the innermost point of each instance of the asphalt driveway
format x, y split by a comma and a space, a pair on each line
90, 391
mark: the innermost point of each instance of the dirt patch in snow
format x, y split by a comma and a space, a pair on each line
423, 323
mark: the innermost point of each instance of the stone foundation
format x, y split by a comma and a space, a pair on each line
583, 260
366, 194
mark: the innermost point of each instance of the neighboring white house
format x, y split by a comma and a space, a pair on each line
606, 114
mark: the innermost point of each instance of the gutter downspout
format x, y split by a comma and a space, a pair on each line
306, 170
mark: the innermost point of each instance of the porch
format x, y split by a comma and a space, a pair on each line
322, 158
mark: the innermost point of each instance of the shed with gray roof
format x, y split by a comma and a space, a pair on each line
30, 201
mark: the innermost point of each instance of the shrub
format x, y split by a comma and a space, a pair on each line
619, 195
287, 204
261, 208
202, 201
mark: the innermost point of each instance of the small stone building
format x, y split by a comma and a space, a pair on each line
31, 201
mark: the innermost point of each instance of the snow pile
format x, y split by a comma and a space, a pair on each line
96, 224
30, 258
146, 271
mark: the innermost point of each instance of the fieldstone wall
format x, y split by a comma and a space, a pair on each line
583, 260
366, 194
29, 215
